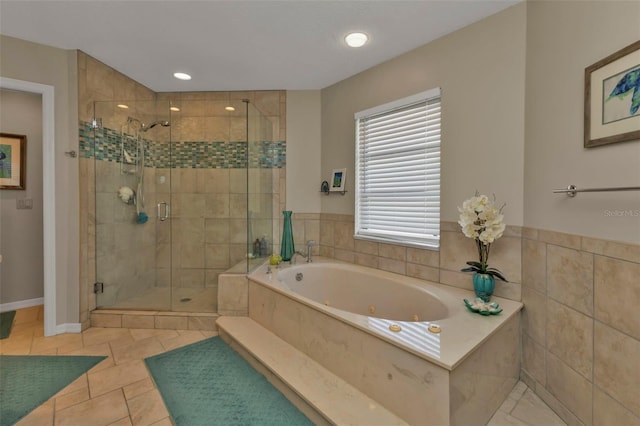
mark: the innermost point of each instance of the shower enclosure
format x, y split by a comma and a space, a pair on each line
183, 189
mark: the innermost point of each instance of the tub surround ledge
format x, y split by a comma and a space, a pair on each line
459, 376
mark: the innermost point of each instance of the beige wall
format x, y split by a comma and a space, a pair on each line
303, 151
22, 268
563, 38
481, 71
23, 60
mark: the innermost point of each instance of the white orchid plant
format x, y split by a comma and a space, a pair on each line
483, 222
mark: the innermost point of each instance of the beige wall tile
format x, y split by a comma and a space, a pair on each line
422, 272
570, 277
343, 235
423, 256
560, 239
506, 255
558, 407
202, 322
570, 337
344, 255
616, 369
237, 231
172, 322
365, 259
617, 294
534, 315
534, 265
188, 277
137, 321
326, 233
216, 206
213, 181
106, 320
216, 231
392, 251
533, 359
572, 389
237, 181
612, 249
456, 250
392, 265
607, 411
217, 256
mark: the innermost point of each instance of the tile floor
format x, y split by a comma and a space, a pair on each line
119, 391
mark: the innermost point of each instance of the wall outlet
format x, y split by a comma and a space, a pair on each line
24, 204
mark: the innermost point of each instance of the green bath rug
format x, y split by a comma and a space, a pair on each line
28, 381
208, 383
6, 321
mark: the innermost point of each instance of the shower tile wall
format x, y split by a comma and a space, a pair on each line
208, 184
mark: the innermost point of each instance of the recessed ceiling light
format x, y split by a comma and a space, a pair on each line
182, 76
229, 108
356, 39
123, 106
173, 108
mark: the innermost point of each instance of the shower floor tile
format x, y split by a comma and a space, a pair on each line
183, 299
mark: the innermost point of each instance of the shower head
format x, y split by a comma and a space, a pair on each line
145, 127
163, 123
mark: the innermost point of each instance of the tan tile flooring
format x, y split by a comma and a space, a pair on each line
119, 391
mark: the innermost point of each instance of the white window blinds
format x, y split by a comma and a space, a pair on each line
398, 171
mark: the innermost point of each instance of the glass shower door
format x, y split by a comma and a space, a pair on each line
132, 180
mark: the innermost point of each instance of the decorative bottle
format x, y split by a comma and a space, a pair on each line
287, 248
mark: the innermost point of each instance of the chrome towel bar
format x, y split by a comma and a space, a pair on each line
572, 190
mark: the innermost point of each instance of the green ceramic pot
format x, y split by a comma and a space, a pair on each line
483, 285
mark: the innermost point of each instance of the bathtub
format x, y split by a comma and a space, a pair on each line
409, 344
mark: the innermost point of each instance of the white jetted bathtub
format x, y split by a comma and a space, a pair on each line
409, 344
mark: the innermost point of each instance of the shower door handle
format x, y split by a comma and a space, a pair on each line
163, 211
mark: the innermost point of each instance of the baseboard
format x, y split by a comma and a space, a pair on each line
72, 327
12, 306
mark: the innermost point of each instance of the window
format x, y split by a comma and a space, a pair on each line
398, 171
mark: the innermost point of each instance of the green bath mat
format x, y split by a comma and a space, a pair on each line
28, 381
6, 321
208, 383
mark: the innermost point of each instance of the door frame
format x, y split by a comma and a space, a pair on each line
48, 193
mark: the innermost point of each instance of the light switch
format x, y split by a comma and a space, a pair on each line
24, 204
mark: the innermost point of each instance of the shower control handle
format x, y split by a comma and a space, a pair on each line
163, 211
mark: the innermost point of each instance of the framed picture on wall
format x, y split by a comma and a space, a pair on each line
13, 161
612, 98
338, 180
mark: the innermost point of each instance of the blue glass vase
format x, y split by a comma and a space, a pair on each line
483, 285
287, 248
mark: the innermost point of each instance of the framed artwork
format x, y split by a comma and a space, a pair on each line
612, 98
338, 179
13, 161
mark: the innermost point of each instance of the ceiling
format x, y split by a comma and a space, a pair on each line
239, 44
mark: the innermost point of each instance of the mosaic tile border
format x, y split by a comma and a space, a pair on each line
106, 146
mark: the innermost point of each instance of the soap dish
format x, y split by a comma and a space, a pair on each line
483, 308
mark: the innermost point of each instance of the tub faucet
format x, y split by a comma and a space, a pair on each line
310, 245
308, 256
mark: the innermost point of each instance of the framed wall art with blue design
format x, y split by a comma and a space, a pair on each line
13, 161
612, 98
